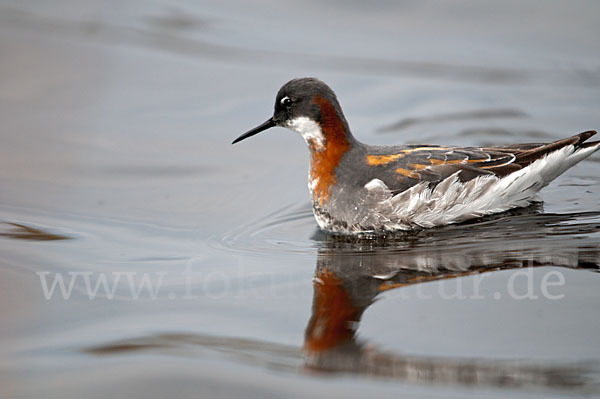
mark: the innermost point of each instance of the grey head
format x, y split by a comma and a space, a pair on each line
299, 106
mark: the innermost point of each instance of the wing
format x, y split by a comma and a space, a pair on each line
413, 164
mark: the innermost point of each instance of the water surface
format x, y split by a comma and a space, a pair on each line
115, 164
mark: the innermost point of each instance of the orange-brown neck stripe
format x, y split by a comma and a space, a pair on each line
324, 162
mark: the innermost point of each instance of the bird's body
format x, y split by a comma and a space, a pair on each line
361, 188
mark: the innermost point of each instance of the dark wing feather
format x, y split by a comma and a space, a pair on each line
525, 154
434, 163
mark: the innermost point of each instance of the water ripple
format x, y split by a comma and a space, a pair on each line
282, 231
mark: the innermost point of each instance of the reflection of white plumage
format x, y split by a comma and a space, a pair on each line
361, 188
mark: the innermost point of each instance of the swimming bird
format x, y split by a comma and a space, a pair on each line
361, 188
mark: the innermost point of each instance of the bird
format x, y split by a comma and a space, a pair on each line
359, 188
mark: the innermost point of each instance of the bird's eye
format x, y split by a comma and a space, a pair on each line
286, 102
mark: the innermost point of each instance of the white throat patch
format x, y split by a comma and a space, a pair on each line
310, 131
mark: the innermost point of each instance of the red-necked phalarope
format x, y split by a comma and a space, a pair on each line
357, 187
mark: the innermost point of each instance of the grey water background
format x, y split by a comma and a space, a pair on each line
115, 157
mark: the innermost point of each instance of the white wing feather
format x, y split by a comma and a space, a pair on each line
452, 201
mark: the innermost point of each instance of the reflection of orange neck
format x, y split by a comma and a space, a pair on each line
324, 162
333, 314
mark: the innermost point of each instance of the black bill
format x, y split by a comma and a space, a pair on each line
268, 124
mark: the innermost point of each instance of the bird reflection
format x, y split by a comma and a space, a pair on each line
352, 272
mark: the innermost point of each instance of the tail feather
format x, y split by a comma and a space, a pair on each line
590, 144
526, 157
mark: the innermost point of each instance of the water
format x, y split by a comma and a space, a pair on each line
116, 164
